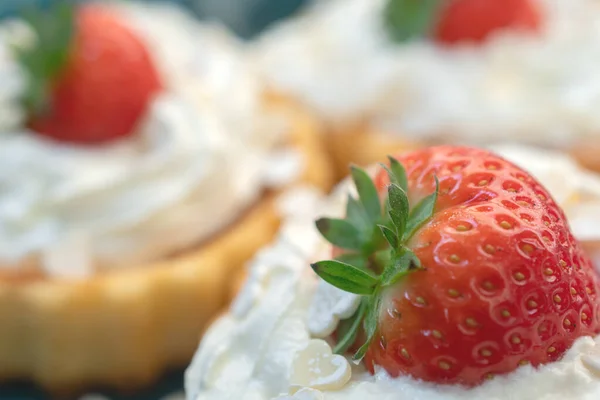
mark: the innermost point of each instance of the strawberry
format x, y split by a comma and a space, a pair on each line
458, 21
475, 20
481, 276
91, 77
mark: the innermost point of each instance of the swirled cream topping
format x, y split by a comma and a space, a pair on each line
199, 158
268, 347
540, 89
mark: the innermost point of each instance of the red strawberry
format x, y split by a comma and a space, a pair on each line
475, 20
480, 277
458, 21
91, 77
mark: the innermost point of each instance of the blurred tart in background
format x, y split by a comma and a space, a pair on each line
403, 73
140, 158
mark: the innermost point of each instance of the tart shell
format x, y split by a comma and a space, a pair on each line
122, 329
361, 144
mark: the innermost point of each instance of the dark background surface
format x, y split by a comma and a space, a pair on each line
170, 384
246, 18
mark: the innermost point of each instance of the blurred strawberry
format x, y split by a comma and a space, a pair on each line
90, 77
459, 21
475, 20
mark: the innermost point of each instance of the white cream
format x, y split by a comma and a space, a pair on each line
12, 33
329, 307
253, 352
316, 367
199, 158
540, 89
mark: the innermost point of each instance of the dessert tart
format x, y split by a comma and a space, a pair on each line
140, 158
460, 71
485, 290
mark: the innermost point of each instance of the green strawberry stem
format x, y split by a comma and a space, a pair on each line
375, 240
44, 62
348, 329
409, 19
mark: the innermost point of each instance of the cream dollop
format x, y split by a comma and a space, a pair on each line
539, 89
316, 367
252, 351
329, 306
199, 158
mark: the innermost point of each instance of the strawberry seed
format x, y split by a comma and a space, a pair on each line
444, 365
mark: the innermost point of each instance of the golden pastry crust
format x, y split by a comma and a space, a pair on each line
122, 329
308, 134
361, 144
588, 155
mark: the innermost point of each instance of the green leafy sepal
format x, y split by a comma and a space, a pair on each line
409, 19
47, 58
375, 242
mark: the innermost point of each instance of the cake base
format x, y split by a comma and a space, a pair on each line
362, 145
588, 155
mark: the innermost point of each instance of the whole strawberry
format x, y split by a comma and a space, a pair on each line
90, 76
459, 21
479, 277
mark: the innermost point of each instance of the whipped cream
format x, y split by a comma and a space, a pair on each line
316, 367
257, 351
540, 89
199, 158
